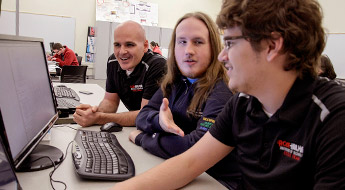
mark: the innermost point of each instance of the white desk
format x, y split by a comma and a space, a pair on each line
93, 99
61, 136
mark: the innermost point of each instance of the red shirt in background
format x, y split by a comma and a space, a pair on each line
69, 58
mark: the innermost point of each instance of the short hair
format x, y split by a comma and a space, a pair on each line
57, 46
213, 74
153, 43
299, 22
327, 68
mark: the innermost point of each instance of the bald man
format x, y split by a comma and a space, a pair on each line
133, 76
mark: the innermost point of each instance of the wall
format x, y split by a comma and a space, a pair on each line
84, 11
334, 13
169, 11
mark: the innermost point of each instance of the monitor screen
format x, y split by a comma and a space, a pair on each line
26, 97
8, 178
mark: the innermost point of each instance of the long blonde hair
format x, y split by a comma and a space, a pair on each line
213, 74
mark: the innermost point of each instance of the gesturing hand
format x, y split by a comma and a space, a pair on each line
166, 120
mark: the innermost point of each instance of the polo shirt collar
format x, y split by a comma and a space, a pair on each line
295, 103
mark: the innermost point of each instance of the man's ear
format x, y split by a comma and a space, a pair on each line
146, 46
275, 45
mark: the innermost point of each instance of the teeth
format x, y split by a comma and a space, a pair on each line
124, 59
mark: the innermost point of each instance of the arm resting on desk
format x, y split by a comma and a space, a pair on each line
124, 118
110, 103
106, 112
182, 169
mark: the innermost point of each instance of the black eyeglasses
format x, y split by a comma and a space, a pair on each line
228, 40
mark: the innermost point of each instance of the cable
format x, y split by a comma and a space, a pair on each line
56, 166
51, 173
56, 126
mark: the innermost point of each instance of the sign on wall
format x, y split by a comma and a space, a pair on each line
122, 10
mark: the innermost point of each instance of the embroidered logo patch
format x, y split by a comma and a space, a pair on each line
291, 150
206, 124
137, 88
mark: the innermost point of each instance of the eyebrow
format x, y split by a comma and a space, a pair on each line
234, 37
194, 38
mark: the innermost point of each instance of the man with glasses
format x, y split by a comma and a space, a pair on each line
286, 123
63, 55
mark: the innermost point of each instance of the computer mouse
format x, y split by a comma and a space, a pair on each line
111, 127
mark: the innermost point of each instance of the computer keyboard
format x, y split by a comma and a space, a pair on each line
67, 103
62, 91
67, 100
98, 155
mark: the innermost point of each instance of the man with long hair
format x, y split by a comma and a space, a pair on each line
194, 91
286, 123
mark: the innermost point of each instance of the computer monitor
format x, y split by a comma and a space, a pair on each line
8, 178
27, 102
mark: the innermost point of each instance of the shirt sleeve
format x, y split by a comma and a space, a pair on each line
154, 76
166, 145
330, 152
69, 57
148, 117
111, 69
222, 130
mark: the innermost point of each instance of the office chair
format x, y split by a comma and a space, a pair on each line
79, 58
73, 74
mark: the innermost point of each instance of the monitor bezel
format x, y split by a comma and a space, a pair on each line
31, 145
5, 147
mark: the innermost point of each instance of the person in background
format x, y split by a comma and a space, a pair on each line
326, 69
193, 92
63, 55
286, 123
133, 76
155, 47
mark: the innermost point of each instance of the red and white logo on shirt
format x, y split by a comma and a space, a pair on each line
137, 87
291, 150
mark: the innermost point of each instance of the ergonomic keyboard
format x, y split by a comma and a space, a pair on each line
98, 155
62, 91
68, 103
66, 98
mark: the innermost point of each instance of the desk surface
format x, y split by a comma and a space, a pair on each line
61, 136
93, 99
143, 161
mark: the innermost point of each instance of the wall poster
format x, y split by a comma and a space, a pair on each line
119, 11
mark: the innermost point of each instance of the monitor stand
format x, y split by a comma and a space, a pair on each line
41, 150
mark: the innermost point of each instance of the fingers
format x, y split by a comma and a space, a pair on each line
83, 106
94, 109
83, 117
176, 130
78, 119
165, 104
133, 135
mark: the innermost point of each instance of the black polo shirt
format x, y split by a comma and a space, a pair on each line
143, 82
302, 146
